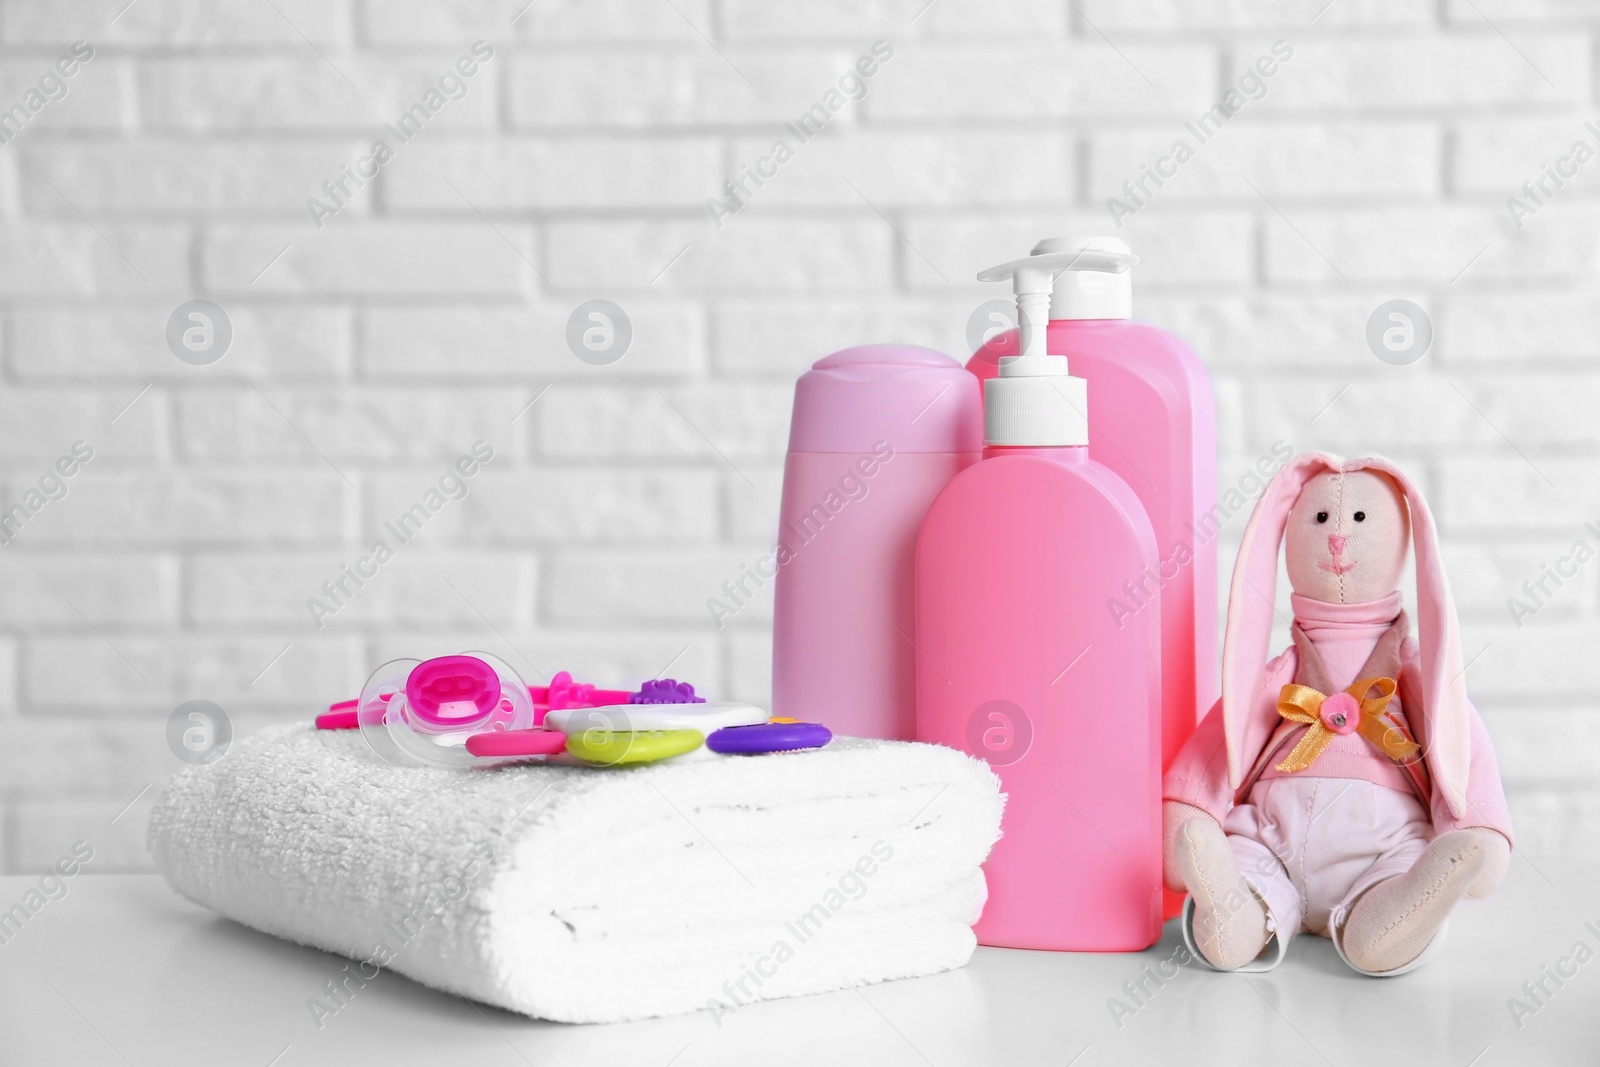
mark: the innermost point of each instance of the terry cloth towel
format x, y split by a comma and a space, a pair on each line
594, 895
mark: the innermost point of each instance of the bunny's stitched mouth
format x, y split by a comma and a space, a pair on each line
1337, 568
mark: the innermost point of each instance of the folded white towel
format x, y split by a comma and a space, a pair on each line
587, 895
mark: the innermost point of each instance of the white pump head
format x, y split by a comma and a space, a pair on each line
1098, 285
1034, 401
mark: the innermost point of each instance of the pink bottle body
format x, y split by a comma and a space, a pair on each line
845, 601
1022, 664
1153, 423
877, 432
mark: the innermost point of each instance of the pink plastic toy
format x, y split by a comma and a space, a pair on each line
340, 716
1020, 663
535, 742
877, 432
564, 692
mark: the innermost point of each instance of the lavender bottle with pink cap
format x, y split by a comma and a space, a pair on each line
877, 431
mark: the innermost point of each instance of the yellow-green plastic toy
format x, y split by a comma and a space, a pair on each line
609, 748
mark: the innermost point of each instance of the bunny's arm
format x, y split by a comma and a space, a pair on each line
1198, 775
1196, 784
1195, 787
1486, 814
1486, 795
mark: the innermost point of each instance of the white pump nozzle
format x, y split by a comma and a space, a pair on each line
1034, 401
1033, 283
1097, 285
1054, 255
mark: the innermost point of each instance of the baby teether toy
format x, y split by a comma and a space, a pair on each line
768, 737
664, 691
609, 748
655, 716
472, 710
503, 743
563, 692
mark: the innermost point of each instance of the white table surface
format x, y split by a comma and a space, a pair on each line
123, 971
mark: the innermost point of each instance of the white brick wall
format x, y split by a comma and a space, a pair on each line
577, 165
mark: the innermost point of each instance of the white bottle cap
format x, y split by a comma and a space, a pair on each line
1034, 401
1091, 289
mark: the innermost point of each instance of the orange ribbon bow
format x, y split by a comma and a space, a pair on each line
1342, 713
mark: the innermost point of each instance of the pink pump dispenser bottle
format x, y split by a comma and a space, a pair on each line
1021, 664
1155, 426
877, 431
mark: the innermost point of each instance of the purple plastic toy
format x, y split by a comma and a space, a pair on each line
768, 737
665, 691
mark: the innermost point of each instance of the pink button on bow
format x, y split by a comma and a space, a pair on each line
1341, 713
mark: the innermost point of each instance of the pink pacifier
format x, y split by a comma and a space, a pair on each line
451, 692
421, 712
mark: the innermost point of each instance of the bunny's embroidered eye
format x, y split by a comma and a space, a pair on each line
1361, 516
1322, 516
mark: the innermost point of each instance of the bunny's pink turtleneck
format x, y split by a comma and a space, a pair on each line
1344, 635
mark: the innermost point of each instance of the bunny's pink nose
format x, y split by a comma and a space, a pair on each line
1336, 543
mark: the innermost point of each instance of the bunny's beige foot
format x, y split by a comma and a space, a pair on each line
1396, 919
1230, 921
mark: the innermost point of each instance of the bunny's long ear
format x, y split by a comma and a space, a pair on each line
1251, 598
1446, 730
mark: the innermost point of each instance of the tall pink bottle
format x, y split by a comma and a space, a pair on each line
1154, 425
1021, 663
877, 431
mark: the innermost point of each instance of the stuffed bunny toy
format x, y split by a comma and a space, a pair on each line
1346, 788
